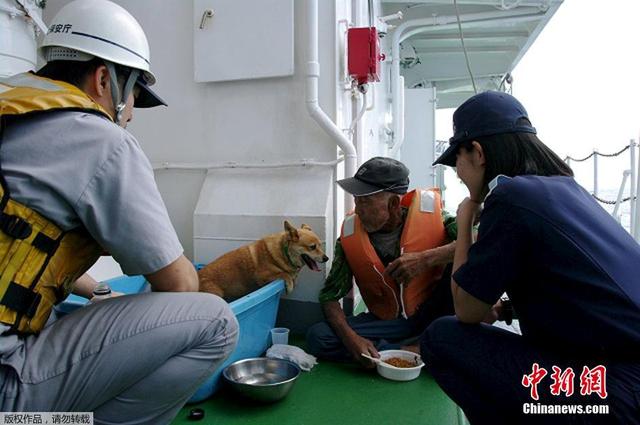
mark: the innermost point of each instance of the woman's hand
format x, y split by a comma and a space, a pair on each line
502, 310
467, 212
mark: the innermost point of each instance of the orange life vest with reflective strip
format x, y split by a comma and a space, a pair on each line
423, 229
38, 261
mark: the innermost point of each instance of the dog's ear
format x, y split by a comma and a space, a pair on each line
306, 227
292, 233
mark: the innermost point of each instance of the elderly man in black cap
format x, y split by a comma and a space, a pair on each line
398, 245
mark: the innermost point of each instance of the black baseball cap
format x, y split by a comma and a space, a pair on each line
485, 114
147, 98
378, 174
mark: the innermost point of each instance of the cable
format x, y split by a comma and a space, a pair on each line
464, 49
604, 201
608, 155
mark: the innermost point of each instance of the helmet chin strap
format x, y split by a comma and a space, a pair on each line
120, 101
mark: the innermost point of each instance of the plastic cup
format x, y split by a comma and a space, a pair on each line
280, 336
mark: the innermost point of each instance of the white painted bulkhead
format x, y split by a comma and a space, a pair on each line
237, 125
249, 121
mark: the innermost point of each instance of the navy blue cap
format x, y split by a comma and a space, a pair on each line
379, 174
485, 114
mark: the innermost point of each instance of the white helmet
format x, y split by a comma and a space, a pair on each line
84, 29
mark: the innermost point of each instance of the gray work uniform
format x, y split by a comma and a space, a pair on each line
133, 359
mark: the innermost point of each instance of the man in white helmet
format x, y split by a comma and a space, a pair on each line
76, 184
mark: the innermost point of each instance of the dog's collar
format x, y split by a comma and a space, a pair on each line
285, 249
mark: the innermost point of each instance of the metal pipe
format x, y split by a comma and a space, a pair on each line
632, 189
373, 99
471, 23
432, 24
432, 112
35, 13
392, 17
357, 127
313, 107
398, 138
224, 238
636, 219
12, 11
214, 166
440, 179
595, 172
358, 111
625, 176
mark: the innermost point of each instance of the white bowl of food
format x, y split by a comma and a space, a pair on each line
399, 365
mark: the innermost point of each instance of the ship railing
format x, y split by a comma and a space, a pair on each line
632, 174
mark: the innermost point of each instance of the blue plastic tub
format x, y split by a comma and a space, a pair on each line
256, 314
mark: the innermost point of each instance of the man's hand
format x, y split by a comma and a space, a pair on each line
358, 345
409, 265
354, 343
113, 295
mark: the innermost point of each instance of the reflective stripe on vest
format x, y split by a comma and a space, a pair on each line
38, 261
423, 229
26, 93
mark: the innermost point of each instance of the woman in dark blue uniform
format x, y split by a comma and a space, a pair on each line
570, 270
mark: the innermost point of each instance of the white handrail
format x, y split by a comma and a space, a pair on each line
625, 176
636, 219
634, 189
633, 172
166, 165
595, 173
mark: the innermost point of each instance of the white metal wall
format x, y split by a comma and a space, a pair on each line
249, 121
417, 151
243, 121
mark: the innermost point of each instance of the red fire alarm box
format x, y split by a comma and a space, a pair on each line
364, 54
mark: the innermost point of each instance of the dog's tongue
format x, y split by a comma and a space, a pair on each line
310, 263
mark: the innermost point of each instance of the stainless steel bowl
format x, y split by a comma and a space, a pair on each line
262, 379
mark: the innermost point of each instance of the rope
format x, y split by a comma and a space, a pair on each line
604, 201
464, 48
609, 155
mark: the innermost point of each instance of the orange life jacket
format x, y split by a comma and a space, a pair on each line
423, 229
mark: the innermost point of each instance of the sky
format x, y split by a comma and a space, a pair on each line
580, 83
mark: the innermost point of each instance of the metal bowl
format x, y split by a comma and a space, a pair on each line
262, 379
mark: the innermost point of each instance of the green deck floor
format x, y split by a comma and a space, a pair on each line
336, 394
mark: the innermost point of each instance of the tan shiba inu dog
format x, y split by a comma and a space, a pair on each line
277, 256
